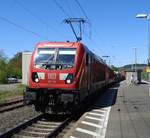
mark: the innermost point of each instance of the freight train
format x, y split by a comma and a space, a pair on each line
64, 74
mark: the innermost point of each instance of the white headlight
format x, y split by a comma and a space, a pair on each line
36, 79
68, 81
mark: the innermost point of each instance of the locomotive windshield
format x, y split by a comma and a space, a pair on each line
44, 55
66, 56
55, 58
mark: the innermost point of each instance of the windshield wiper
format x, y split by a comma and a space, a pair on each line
66, 65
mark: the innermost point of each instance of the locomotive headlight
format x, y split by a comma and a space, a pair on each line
36, 80
68, 81
35, 77
69, 78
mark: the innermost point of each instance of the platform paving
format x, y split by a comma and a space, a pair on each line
130, 115
93, 122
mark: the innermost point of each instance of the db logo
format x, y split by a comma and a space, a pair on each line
52, 76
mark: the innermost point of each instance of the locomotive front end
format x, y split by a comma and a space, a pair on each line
52, 82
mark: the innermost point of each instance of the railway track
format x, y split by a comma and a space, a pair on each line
11, 105
46, 125
43, 125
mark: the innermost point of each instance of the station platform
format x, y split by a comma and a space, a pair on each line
130, 115
123, 111
93, 122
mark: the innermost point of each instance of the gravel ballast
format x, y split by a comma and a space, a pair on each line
12, 118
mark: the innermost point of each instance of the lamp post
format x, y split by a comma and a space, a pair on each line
147, 17
135, 59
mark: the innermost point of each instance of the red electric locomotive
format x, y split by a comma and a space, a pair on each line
63, 74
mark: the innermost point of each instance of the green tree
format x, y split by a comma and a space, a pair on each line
114, 68
3, 67
15, 65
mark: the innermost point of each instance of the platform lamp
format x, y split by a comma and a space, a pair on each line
147, 17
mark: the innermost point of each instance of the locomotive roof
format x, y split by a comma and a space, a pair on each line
61, 44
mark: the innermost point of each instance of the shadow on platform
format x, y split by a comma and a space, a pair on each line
108, 98
142, 83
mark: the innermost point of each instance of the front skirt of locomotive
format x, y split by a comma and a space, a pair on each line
52, 100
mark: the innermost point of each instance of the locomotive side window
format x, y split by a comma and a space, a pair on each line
87, 59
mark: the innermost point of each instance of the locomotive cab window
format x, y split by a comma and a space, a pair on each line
66, 56
44, 55
55, 58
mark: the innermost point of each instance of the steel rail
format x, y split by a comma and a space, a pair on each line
23, 125
58, 129
11, 105
11, 102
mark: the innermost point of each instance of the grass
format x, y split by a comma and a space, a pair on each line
144, 76
7, 95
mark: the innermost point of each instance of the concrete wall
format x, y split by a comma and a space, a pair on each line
26, 56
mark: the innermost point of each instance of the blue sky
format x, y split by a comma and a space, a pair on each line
115, 30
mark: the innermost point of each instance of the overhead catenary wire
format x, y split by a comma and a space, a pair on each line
85, 14
61, 8
30, 12
69, 8
90, 24
83, 11
39, 19
97, 48
20, 27
66, 14
69, 17
88, 19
